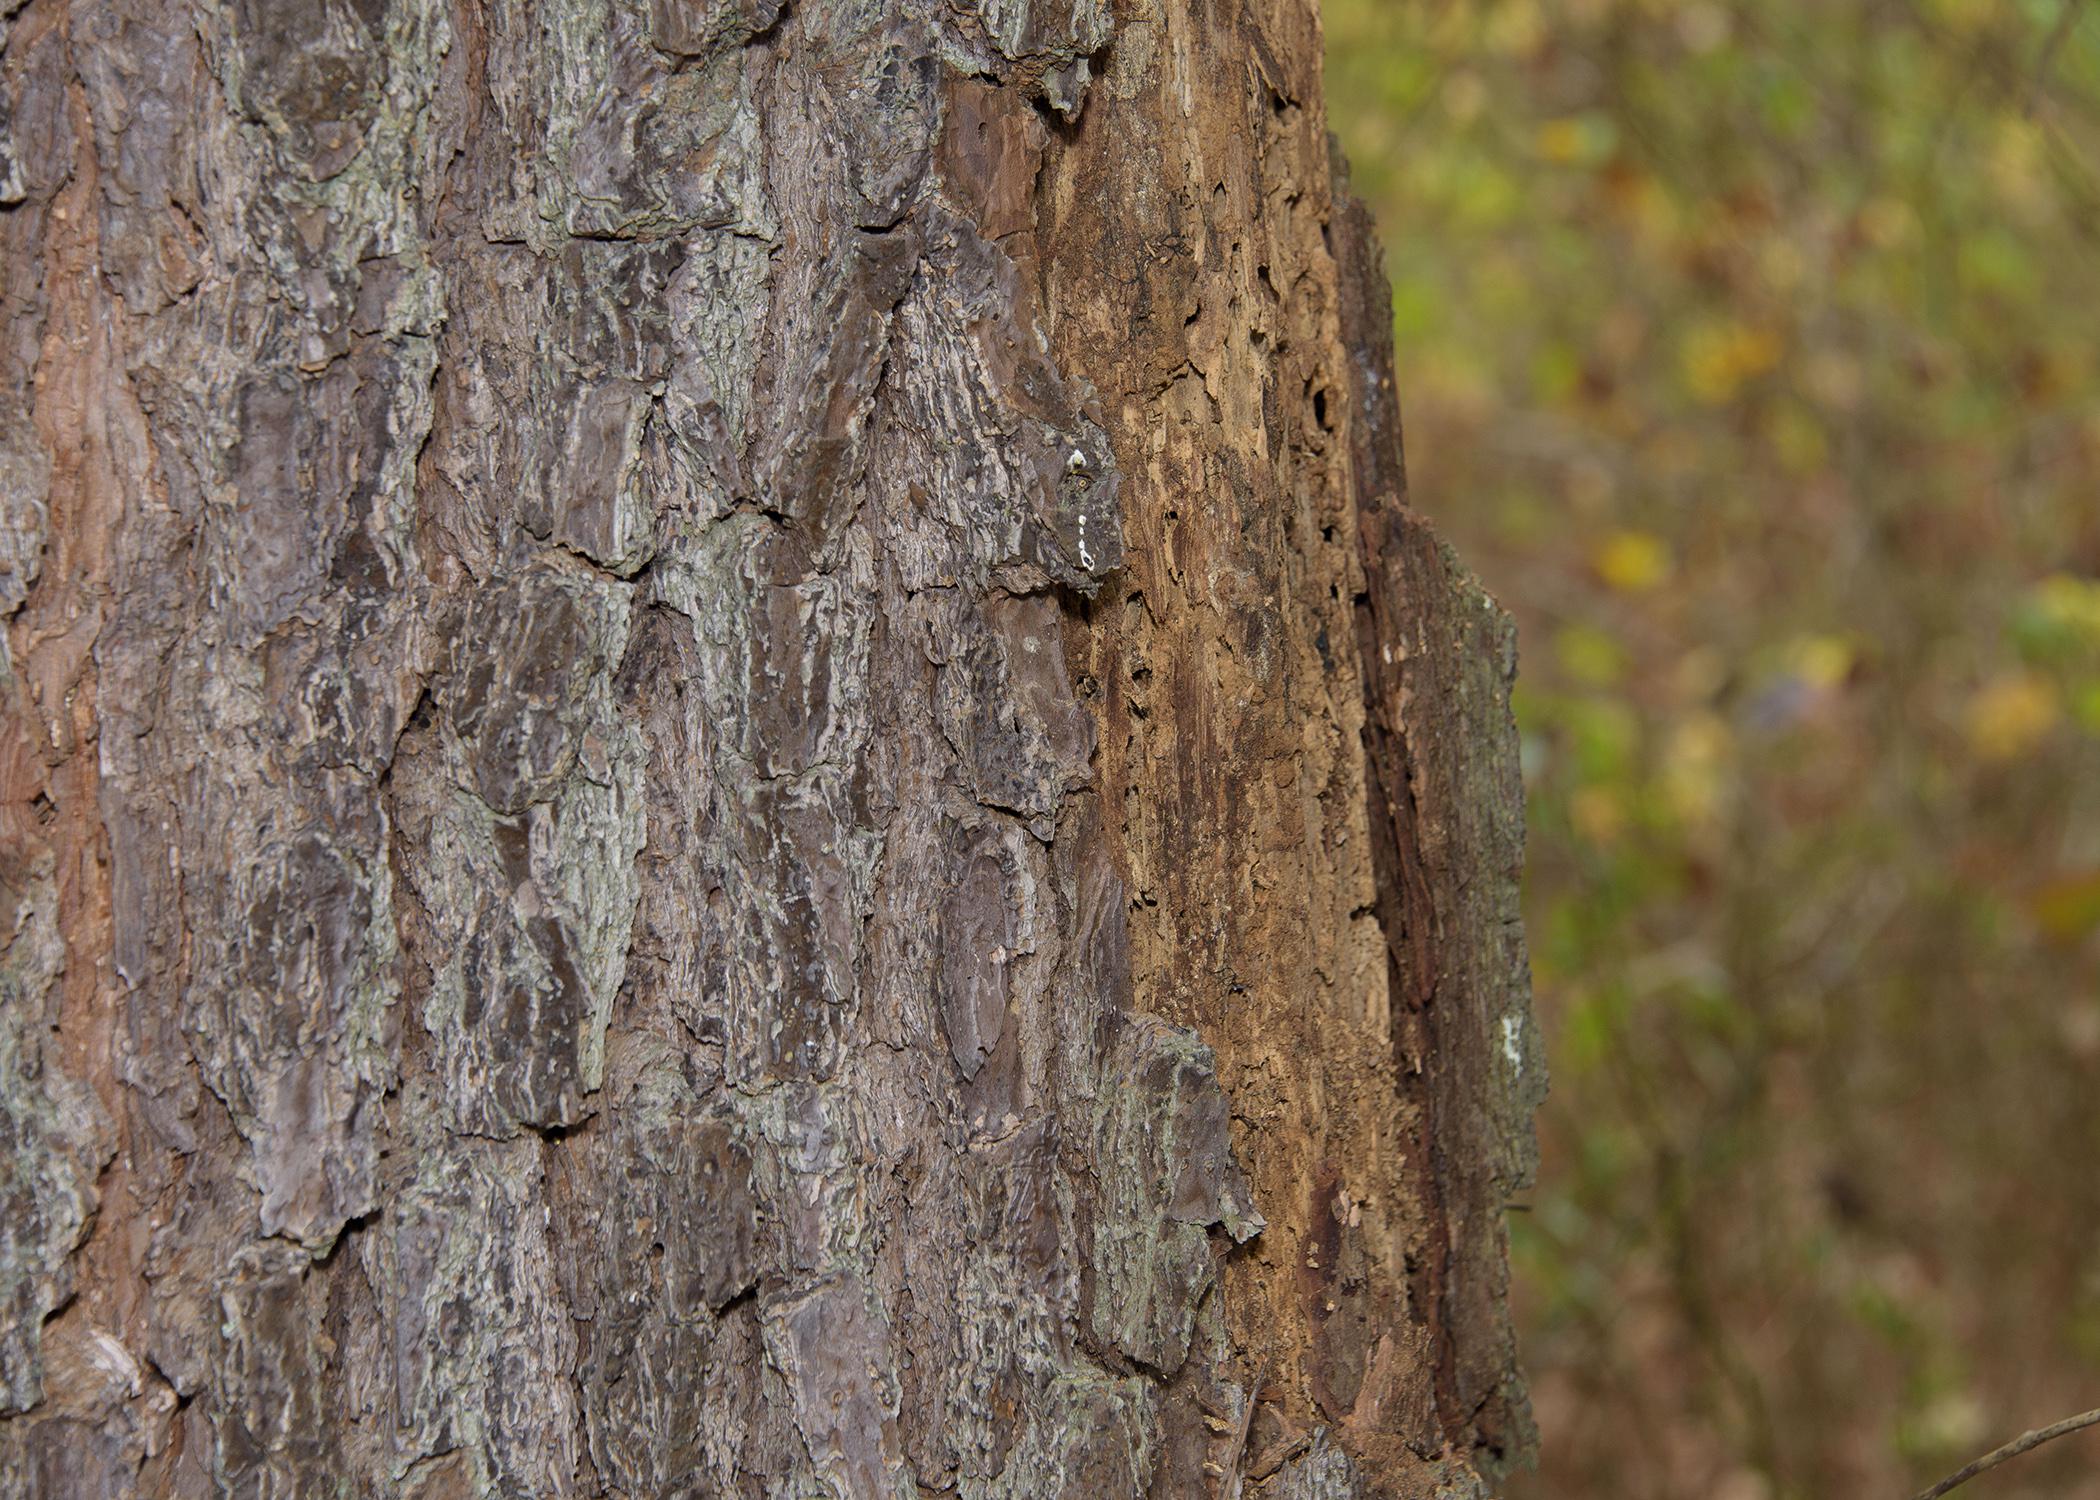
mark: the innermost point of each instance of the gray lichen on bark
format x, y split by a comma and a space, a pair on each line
54, 1138
1167, 1174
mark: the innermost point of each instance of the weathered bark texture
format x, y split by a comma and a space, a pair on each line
729, 768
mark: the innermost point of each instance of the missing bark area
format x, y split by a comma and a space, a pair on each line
695, 795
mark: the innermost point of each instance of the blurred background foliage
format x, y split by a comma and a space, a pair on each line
1750, 351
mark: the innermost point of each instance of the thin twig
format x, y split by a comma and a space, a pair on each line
2013, 1449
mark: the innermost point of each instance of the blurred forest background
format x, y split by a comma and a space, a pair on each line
1750, 351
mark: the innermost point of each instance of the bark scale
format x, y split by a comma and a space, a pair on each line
728, 767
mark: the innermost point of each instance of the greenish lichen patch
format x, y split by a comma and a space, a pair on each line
1087, 1433
269, 1376
25, 479
294, 1022
481, 1338
528, 813
54, 1137
1166, 1172
1323, 1472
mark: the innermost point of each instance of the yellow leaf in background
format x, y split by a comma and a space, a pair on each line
1589, 655
1577, 139
1719, 358
1820, 661
2068, 907
1514, 28
2009, 715
1561, 141
1798, 438
1642, 203
2071, 602
1965, 15
1694, 764
2085, 707
2019, 168
1632, 562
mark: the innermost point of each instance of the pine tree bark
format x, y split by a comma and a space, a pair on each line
729, 767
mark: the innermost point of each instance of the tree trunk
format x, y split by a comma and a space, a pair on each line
729, 768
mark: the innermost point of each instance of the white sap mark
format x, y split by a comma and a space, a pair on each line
1512, 1028
1076, 464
